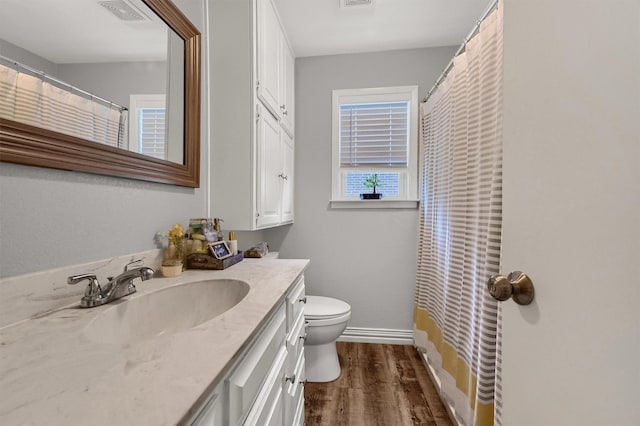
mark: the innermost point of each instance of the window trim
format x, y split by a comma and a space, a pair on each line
375, 94
136, 103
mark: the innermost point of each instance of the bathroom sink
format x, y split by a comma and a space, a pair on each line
165, 311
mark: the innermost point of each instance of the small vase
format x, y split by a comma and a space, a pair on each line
170, 251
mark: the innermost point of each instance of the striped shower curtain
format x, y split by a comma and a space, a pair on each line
455, 319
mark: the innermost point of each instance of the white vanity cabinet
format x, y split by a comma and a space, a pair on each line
212, 414
252, 115
296, 335
265, 385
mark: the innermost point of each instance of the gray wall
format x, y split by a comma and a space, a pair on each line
51, 218
115, 81
25, 57
345, 246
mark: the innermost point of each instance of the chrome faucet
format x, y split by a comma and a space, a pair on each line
120, 286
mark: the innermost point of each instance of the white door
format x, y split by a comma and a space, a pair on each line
571, 212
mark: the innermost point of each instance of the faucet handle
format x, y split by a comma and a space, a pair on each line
135, 264
93, 289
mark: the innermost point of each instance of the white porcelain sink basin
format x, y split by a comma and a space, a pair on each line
169, 310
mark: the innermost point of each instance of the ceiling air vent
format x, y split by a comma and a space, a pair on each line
123, 10
349, 3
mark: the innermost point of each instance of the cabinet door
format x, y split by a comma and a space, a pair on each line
269, 36
211, 414
268, 408
245, 382
287, 177
269, 172
288, 84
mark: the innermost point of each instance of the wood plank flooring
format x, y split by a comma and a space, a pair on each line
386, 385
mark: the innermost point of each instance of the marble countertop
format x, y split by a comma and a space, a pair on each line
51, 373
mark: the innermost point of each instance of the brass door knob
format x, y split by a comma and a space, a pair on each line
516, 285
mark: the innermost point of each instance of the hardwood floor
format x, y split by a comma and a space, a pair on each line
386, 385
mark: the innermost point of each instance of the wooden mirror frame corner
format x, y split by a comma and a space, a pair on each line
30, 145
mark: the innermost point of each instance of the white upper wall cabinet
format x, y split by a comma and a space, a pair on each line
275, 66
288, 84
269, 57
269, 170
251, 91
287, 177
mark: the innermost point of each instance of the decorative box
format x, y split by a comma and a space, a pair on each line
206, 261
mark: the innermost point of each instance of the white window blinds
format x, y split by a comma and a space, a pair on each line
374, 134
151, 132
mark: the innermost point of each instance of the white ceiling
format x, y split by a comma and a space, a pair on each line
322, 27
314, 27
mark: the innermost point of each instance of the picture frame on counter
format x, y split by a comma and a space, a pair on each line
220, 250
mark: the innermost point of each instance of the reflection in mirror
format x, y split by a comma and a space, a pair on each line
93, 85
130, 67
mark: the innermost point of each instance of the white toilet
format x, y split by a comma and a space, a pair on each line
326, 320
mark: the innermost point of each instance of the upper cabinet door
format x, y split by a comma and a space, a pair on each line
269, 173
269, 57
287, 177
288, 79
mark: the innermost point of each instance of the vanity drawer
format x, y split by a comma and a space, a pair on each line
268, 408
295, 391
295, 341
298, 417
295, 303
245, 382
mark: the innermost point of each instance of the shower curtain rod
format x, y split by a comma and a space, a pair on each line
472, 34
45, 77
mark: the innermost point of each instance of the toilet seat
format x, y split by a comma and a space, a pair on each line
321, 322
320, 310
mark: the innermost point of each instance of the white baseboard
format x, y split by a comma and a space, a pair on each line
377, 335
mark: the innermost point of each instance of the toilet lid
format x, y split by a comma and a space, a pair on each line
325, 307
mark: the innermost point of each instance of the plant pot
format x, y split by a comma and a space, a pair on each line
370, 196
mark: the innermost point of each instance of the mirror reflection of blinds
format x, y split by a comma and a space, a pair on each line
374, 134
151, 134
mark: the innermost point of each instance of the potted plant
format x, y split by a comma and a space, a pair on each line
372, 181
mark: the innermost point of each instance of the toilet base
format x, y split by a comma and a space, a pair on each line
321, 363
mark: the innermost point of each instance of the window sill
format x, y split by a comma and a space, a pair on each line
374, 204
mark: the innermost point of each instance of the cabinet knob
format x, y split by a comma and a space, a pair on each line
283, 106
303, 300
285, 112
304, 337
291, 379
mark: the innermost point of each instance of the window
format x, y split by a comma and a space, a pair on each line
375, 131
147, 125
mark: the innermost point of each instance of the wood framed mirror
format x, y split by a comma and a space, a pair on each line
31, 145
